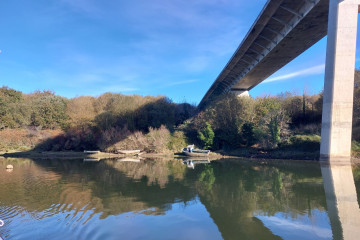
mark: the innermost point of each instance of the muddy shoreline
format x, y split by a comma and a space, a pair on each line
254, 156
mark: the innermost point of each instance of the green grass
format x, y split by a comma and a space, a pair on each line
302, 142
355, 149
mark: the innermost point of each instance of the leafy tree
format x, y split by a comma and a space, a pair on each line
49, 110
227, 114
13, 109
272, 118
81, 110
274, 129
206, 135
247, 132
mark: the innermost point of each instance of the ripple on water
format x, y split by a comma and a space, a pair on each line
28, 225
9, 212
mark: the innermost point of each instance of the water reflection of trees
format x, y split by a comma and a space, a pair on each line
244, 190
108, 187
155, 172
232, 192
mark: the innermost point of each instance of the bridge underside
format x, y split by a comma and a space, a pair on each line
284, 30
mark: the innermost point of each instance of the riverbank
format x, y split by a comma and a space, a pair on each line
239, 153
61, 155
274, 154
101, 155
159, 143
252, 154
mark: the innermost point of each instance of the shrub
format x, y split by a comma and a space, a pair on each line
274, 130
178, 141
206, 135
158, 139
247, 132
308, 143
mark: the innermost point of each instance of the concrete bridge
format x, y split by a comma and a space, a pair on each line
285, 29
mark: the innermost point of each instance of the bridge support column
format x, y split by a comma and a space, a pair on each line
241, 93
339, 81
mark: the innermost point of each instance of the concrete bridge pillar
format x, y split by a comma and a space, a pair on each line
339, 81
241, 93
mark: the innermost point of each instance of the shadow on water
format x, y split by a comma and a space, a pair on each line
242, 198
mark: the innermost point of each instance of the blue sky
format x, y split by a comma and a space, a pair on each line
175, 48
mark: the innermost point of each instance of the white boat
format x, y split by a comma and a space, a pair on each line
128, 151
86, 151
195, 152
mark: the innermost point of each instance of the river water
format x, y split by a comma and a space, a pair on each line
158, 199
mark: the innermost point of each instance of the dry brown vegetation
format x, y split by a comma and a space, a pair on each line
25, 139
108, 122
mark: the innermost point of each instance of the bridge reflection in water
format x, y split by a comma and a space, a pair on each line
341, 200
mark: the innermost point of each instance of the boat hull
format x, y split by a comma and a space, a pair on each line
128, 151
86, 151
196, 153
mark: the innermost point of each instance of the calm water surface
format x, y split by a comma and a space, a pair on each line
157, 199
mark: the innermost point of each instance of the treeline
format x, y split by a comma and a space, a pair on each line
40, 109
156, 124
266, 122
91, 122
46, 110
286, 121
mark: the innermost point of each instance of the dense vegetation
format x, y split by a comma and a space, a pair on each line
287, 121
114, 121
92, 122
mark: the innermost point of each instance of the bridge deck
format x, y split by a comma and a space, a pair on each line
283, 30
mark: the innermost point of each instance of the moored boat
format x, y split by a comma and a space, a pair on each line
87, 151
195, 152
128, 151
